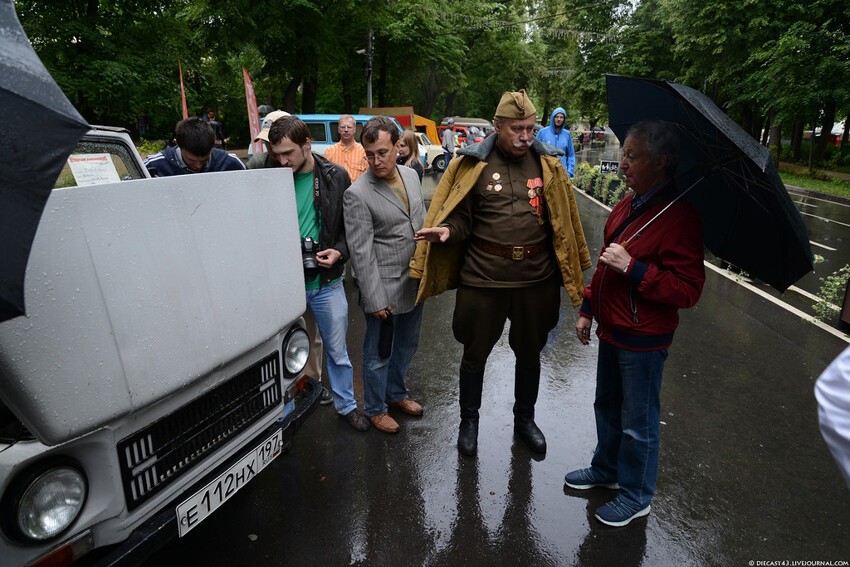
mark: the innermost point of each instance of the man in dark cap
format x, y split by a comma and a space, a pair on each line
503, 228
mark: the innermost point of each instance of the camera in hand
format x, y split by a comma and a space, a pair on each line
309, 247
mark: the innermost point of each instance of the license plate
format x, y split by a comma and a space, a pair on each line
200, 505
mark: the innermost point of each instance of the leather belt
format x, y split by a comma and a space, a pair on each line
512, 252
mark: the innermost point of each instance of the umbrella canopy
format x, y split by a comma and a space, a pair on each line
40, 128
749, 219
265, 109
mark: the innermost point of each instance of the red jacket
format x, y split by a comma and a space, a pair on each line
639, 310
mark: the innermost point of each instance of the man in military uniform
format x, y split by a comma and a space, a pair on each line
503, 228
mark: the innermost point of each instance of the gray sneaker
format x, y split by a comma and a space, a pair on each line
326, 397
582, 479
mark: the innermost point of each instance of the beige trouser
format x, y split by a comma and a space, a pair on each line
317, 352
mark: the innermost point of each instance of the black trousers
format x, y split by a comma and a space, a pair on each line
480, 315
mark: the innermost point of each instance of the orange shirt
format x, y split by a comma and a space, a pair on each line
352, 158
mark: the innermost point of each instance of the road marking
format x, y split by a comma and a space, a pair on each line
801, 203
801, 193
824, 246
791, 309
824, 219
806, 294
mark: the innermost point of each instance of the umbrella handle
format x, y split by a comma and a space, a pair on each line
625, 243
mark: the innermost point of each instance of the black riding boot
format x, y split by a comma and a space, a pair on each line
471, 384
526, 384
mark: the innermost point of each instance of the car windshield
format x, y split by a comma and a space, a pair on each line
425, 140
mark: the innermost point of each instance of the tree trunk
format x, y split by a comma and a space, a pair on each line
797, 140
775, 139
450, 102
825, 130
290, 94
846, 132
383, 65
431, 94
768, 123
345, 83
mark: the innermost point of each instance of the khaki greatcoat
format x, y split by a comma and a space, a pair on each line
437, 266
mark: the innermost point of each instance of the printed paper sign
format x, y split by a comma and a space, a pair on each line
93, 169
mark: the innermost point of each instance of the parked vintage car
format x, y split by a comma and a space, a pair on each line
159, 368
435, 157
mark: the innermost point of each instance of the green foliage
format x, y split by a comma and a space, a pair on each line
608, 188
117, 60
831, 294
148, 147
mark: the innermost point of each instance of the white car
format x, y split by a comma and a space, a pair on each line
160, 365
433, 154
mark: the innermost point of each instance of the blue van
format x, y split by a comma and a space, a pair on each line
324, 131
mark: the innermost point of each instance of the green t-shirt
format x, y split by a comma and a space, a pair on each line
308, 222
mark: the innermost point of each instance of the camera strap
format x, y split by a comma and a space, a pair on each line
317, 201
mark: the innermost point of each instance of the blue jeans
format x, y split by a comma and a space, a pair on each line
383, 378
330, 309
628, 415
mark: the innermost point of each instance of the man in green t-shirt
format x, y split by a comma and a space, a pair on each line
319, 186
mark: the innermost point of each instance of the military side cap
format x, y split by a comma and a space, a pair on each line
515, 104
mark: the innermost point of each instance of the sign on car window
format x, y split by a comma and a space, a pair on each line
93, 169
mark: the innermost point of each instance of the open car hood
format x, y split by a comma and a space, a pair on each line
136, 289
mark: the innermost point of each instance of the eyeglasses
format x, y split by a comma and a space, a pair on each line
382, 155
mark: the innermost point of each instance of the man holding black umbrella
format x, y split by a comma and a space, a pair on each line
651, 266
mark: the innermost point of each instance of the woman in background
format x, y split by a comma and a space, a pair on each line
408, 153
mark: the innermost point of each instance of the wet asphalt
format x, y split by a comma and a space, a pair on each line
744, 474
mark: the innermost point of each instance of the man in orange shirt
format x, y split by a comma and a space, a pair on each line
348, 153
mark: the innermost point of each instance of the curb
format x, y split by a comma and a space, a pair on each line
823, 196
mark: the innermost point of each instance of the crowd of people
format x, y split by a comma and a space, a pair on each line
502, 229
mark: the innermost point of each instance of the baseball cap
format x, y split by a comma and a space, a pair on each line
267, 123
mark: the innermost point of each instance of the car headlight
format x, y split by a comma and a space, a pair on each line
51, 503
296, 349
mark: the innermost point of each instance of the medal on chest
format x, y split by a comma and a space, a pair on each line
535, 197
495, 183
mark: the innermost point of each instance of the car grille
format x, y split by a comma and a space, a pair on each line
158, 454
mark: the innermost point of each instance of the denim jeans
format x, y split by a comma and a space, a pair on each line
384, 378
628, 414
330, 309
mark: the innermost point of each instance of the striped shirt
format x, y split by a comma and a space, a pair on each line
351, 157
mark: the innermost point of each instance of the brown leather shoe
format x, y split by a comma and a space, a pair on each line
383, 422
408, 406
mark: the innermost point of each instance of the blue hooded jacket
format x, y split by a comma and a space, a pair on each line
561, 139
169, 162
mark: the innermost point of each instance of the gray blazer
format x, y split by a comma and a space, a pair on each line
380, 239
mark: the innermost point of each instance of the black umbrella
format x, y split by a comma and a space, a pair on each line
39, 128
730, 179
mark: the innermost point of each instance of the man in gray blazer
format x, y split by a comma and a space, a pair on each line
382, 211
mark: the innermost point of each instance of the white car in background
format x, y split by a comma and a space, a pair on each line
432, 153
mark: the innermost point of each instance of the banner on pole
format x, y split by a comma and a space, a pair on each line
183, 92
253, 115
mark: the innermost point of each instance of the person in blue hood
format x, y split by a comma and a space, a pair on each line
194, 152
557, 134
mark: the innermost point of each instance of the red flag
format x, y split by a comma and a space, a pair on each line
183, 92
253, 115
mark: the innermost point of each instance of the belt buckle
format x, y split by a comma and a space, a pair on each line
517, 253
